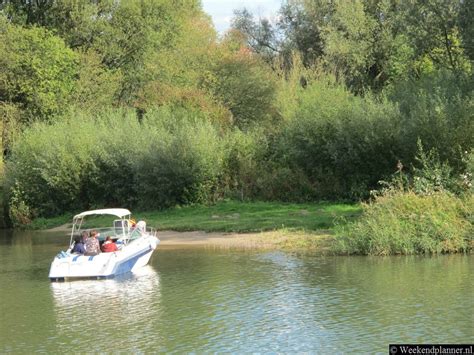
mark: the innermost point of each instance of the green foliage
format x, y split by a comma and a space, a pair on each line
344, 144
10, 115
112, 159
244, 85
245, 153
406, 223
438, 109
437, 40
252, 173
264, 113
125, 35
20, 212
468, 176
183, 163
259, 35
349, 37
96, 86
369, 44
37, 71
432, 175
466, 25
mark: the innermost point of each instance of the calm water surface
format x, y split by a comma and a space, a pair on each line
233, 301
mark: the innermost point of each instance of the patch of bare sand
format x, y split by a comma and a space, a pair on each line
312, 242
200, 238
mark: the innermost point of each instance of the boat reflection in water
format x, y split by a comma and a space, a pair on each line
120, 308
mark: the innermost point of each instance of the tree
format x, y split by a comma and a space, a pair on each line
259, 34
37, 71
295, 30
124, 34
466, 25
432, 26
96, 86
302, 32
242, 82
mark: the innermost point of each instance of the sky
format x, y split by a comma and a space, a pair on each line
221, 11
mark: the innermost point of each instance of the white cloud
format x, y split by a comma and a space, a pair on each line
221, 11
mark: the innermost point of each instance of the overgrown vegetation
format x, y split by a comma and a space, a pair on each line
407, 223
141, 104
416, 213
170, 158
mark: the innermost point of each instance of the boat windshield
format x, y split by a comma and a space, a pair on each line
119, 229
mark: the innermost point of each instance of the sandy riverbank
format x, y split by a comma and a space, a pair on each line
200, 238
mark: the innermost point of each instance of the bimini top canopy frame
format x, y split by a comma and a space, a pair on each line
78, 219
119, 212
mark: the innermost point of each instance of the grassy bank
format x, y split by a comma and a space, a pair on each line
242, 217
233, 216
399, 223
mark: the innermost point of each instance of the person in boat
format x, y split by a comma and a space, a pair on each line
109, 245
78, 245
92, 244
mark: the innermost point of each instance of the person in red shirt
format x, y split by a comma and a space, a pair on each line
109, 246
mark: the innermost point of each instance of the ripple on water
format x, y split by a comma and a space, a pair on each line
229, 301
121, 309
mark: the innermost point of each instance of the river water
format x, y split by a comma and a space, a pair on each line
211, 300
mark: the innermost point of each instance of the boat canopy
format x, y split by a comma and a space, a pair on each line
119, 212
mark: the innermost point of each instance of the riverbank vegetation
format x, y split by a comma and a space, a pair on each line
234, 216
141, 104
407, 223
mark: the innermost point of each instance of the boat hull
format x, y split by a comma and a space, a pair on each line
104, 265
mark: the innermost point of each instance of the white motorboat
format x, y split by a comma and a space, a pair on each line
135, 245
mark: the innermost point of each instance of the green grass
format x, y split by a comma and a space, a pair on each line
47, 223
233, 216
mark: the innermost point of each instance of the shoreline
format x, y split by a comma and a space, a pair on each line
284, 239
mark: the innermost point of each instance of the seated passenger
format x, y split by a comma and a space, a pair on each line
78, 246
92, 244
84, 236
109, 246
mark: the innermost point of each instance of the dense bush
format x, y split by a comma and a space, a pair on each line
406, 223
184, 160
437, 109
252, 172
344, 144
113, 159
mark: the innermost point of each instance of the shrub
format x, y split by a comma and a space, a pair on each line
245, 154
438, 110
430, 175
406, 223
183, 164
83, 162
343, 144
